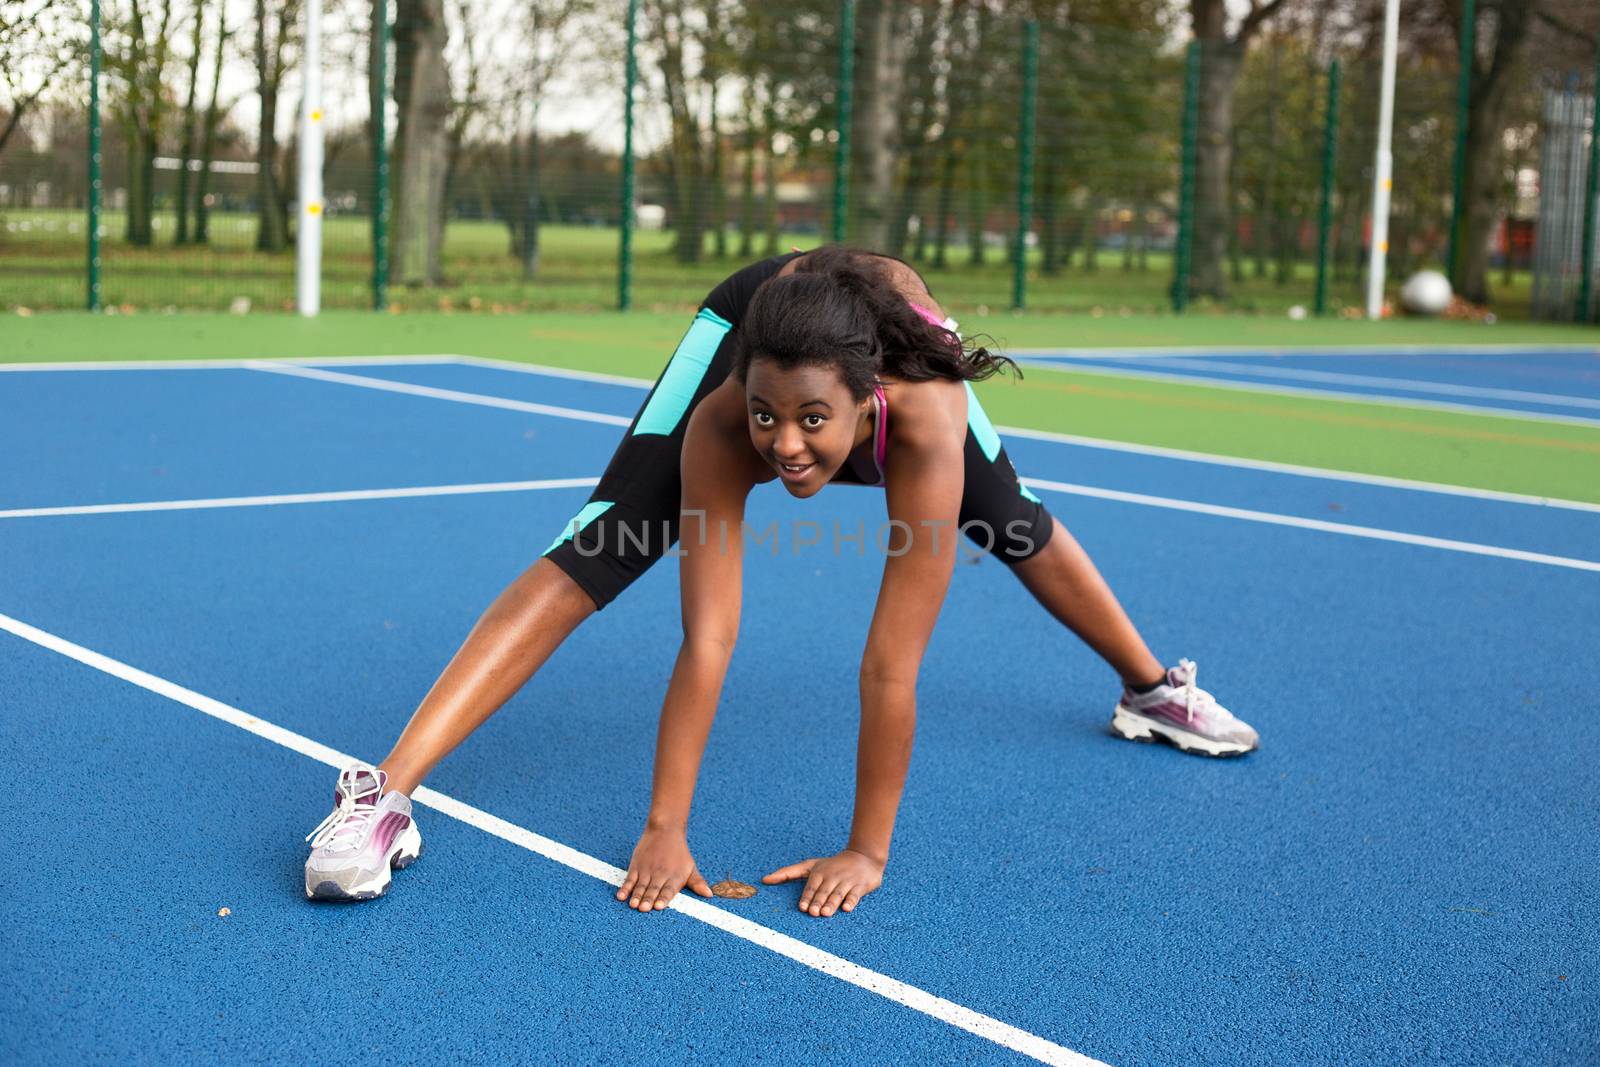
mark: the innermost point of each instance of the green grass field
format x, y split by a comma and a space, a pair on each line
42, 266
1516, 455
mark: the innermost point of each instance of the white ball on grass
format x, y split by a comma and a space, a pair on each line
1426, 292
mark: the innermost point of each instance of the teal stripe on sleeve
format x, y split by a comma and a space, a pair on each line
982, 429
683, 375
591, 511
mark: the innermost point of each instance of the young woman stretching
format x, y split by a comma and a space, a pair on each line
814, 368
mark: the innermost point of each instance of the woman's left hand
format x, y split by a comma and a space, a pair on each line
832, 882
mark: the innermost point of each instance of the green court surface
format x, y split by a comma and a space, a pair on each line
1500, 452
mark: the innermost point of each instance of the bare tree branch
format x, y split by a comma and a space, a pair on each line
1259, 13
1563, 27
20, 107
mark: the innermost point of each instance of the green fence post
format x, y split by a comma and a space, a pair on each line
841, 155
378, 99
1591, 190
94, 156
1330, 148
1030, 90
1469, 24
625, 249
1191, 130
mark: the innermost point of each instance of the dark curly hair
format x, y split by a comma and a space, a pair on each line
841, 309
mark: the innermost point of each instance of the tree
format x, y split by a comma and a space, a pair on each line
1221, 56
190, 124
963, 88
1520, 47
37, 45
786, 55
880, 73
1278, 114
422, 94
273, 38
680, 34
1502, 32
137, 51
918, 137
215, 111
550, 37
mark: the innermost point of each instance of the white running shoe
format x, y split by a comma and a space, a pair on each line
1181, 713
368, 834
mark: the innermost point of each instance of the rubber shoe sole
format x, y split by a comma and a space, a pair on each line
405, 851
1134, 727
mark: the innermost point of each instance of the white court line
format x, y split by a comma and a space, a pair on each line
383, 385
1211, 458
300, 498
553, 372
1345, 528
946, 1011
216, 364
1186, 455
1418, 384
1301, 471
1376, 533
1336, 395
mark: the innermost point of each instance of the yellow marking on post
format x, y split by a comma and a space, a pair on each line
316, 115
315, 209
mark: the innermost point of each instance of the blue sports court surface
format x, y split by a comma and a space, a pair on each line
1555, 384
220, 582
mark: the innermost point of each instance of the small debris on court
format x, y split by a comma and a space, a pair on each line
733, 890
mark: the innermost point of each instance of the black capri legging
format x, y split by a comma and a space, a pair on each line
632, 517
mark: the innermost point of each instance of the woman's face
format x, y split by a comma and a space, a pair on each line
803, 422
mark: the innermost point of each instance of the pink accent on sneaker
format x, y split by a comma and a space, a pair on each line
388, 829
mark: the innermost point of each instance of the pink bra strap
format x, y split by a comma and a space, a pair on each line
880, 444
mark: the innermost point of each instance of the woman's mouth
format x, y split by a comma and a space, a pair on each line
794, 472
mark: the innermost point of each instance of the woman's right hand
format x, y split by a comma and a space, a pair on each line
661, 866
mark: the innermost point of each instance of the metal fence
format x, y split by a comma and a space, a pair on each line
1565, 250
1058, 165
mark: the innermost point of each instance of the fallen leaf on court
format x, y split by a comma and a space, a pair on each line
225, 912
733, 890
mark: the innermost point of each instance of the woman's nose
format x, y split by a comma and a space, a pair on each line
788, 442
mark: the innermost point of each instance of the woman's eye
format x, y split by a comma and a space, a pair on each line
813, 421
763, 419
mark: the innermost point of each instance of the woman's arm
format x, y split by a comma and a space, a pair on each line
717, 477
924, 496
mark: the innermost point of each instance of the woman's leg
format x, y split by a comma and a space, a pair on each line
1063, 579
640, 490
996, 508
524, 625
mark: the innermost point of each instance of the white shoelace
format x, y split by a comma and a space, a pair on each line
1193, 695
346, 823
